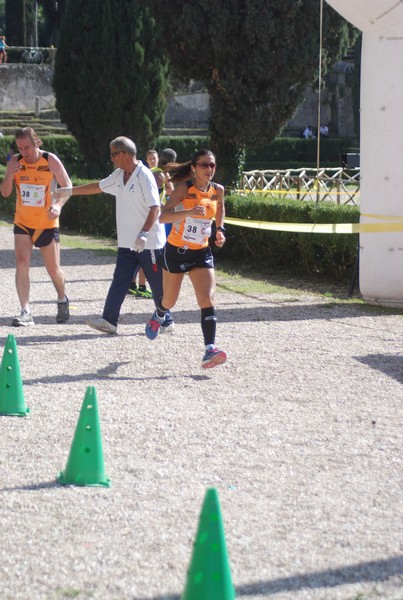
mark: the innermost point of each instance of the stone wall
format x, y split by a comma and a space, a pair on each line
336, 108
20, 84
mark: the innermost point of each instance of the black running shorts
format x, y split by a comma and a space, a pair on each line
181, 259
39, 237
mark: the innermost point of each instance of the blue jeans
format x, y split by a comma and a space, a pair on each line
128, 262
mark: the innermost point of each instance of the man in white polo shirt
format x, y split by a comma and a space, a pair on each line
141, 236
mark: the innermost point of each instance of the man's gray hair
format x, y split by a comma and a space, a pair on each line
167, 155
124, 144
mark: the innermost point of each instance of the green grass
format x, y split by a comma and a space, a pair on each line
232, 281
101, 246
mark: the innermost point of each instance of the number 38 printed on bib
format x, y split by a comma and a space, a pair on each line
32, 195
196, 230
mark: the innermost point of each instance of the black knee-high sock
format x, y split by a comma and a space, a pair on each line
208, 324
161, 310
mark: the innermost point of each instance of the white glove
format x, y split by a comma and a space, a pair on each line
62, 193
140, 242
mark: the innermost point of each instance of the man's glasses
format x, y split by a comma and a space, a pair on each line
206, 165
113, 154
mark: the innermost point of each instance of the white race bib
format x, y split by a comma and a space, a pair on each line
196, 230
32, 195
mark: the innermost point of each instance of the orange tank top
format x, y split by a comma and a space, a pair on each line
194, 232
34, 185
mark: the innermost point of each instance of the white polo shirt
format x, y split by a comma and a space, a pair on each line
133, 203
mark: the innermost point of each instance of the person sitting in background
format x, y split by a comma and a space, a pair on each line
324, 130
308, 132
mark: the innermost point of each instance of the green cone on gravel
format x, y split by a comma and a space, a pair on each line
209, 574
85, 465
12, 400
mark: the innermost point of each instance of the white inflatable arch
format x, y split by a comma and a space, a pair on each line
381, 144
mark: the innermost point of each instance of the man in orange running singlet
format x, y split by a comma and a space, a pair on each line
36, 222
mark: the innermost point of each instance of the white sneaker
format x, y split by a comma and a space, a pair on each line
101, 324
23, 320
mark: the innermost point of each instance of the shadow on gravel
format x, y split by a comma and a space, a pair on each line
390, 364
239, 314
373, 571
106, 373
68, 257
33, 487
377, 570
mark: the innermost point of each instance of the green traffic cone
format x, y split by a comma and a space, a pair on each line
11, 393
85, 465
209, 575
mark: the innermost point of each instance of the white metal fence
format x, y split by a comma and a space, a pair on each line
333, 185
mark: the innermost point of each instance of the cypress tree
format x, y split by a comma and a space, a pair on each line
19, 22
110, 77
53, 10
255, 57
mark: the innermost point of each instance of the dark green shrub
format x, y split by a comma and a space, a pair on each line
90, 215
329, 255
297, 151
184, 145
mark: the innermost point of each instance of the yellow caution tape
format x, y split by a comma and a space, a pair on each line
321, 227
385, 217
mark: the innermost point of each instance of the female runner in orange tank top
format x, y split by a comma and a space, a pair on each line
195, 201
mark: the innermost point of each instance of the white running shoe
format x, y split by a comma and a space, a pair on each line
168, 328
23, 320
101, 324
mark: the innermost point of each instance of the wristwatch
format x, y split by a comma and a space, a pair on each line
222, 229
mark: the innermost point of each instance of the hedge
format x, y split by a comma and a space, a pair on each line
287, 152
328, 255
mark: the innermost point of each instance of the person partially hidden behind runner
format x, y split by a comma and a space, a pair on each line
163, 179
36, 222
194, 202
140, 290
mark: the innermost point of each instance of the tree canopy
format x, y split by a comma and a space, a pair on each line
255, 57
110, 76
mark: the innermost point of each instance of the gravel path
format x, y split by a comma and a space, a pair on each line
300, 432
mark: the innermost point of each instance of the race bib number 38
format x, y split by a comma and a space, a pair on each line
196, 230
32, 195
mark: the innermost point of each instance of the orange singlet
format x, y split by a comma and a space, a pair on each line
34, 186
194, 232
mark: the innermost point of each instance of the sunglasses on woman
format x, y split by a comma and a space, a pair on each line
206, 165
